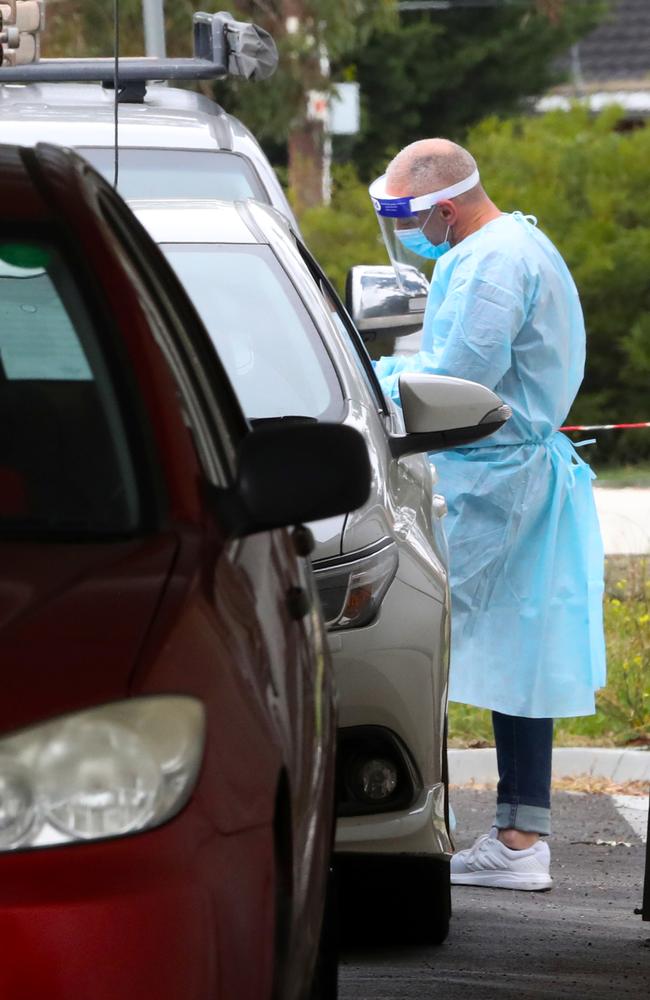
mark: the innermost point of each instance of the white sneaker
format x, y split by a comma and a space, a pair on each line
488, 862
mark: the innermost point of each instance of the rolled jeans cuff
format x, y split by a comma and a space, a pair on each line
519, 816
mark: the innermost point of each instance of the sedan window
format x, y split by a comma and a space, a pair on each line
65, 468
263, 333
177, 173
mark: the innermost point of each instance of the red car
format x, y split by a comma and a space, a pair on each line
166, 720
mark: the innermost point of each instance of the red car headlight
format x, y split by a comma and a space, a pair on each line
103, 772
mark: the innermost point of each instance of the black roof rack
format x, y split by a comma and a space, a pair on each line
222, 47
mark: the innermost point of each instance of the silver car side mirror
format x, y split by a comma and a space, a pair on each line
376, 301
442, 412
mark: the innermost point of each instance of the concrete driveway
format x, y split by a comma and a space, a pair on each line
624, 516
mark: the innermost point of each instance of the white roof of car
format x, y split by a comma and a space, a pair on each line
195, 221
77, 114
80, 115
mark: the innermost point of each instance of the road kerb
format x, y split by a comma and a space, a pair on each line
480, 765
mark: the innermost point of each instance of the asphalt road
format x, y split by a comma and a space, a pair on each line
581, 940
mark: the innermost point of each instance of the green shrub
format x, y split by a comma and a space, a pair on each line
346, 232
625, 702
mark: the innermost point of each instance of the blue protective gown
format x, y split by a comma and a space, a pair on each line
525, 548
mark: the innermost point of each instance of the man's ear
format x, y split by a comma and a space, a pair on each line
448, 212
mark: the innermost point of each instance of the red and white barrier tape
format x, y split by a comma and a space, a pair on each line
604, 427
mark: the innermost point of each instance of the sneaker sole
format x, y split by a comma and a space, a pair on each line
501, 880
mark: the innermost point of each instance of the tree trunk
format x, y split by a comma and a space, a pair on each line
306, 164
306, 138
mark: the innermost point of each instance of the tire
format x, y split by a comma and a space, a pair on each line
326, 972
394, 900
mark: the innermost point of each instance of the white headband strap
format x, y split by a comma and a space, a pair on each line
427, 200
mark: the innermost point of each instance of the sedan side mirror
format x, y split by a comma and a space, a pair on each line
377, 302
442, 412
288, 475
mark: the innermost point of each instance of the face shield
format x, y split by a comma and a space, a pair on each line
401, 221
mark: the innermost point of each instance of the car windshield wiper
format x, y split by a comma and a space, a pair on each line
281, 421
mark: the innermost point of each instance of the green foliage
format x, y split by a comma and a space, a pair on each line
624, 476
346, 232
469, 726
75, 30
328, 27
437, 72
78, 28
420, 74
625, 702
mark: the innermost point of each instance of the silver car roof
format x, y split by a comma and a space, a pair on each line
79, 114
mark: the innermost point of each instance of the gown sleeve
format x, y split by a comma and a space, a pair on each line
389, 369
472, 331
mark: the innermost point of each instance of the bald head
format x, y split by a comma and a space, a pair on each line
433, 164
429, 165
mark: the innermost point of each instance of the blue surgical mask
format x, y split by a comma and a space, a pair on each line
415, 241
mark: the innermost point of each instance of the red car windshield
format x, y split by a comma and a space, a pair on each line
65, 467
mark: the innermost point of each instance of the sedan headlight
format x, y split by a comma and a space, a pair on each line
352, 588
103, 772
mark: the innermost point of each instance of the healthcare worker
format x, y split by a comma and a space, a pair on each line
526, 558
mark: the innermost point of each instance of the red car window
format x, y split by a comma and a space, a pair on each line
64, 459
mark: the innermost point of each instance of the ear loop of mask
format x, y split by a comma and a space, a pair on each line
426, 223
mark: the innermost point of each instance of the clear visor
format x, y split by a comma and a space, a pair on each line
409, 267
405, 217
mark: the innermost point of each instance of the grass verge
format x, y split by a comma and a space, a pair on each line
624, 475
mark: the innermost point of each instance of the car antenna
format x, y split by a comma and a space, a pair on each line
116, 81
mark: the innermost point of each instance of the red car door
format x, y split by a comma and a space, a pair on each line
280, 647
122, 590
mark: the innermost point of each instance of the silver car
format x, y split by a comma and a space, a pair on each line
293, 355
172, 141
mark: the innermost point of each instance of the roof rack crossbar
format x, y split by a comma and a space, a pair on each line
101, 70
223, 47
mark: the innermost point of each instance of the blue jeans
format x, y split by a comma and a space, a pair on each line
524, 749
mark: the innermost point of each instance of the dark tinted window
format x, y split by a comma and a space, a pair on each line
64, 463
174, 173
